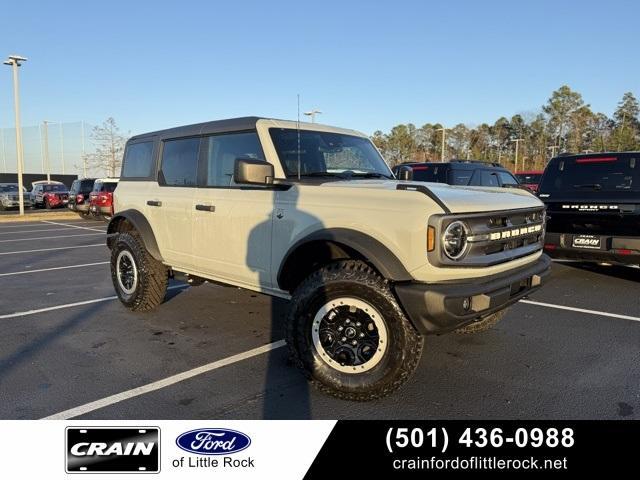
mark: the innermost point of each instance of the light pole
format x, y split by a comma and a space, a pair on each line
517, 141
15, 61
443, 130
45, 124
554, 149
312, 114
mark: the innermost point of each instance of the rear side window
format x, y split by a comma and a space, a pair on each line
507, 179
489, 178
179, 167
105, 186
138, 161
460, 177
222, 151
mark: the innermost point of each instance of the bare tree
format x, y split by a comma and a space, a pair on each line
109, 147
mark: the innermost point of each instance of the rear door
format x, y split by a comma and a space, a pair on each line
177, 180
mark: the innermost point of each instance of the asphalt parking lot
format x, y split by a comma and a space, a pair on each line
68, 349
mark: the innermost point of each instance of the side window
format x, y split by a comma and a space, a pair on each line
179, 167
460, 177
489, 179
221, 152
507, 179
75, 187
138, 161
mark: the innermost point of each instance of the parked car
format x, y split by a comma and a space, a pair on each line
79, 196
458, 172
10, 198
101, 198
593, 207
530, 179
49, 194
312, 213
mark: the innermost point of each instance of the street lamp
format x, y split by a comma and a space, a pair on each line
312, 114
15, 61
443, 130
517, 140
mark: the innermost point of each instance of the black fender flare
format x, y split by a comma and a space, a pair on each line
383, 259
141, 225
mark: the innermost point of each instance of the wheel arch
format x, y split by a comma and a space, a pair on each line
134, 220
330, 244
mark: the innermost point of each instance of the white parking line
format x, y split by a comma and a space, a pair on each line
52, 268
49, 238
70, 305
166, 382
55, 248
39, 224
73, 226
582, 310
42, 230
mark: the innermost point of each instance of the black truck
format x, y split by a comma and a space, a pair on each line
593, 207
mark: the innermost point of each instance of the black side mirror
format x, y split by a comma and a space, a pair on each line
405, 173
253, 171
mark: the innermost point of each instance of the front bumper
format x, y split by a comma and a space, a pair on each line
612, 248
16, 203
439, 308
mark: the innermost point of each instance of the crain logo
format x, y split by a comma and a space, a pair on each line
587, 242
213, 441
106, 449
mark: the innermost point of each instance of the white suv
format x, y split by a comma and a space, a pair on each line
313, 214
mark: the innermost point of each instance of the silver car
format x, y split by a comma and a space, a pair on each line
9, 197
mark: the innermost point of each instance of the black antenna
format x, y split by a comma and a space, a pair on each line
298, 127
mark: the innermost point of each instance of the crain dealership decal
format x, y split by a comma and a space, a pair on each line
213, 442
112, 450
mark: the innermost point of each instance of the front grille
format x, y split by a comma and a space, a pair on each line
494, 237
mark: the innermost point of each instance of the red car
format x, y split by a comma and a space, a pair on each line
101, 198
49, 194
530, 179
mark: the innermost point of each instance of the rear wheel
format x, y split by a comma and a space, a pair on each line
139, 279
483, 324
348, 334
47, 205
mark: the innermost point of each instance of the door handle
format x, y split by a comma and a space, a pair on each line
206, 208
154, 203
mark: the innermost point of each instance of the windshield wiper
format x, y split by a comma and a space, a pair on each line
595, 186
371, 175
321, 174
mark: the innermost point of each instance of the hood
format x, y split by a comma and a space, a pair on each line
458, 199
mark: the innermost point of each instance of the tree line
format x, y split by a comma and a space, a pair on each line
564, 124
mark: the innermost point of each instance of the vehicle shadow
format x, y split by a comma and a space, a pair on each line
280, 402
622, 272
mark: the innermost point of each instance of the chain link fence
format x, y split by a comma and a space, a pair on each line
60, 148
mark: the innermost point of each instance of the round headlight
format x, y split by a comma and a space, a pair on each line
454, 240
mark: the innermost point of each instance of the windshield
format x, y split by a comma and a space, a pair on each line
327, 154
10, 188
606, 173
529, 178
54, 188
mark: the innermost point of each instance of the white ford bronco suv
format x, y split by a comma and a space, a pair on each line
313, 214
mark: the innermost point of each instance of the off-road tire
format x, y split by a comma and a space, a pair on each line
482, 325
355, 279
152, 275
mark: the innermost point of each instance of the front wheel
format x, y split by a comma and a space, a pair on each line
483, 324
348, 334
139, 279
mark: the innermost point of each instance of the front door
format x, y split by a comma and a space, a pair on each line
232, 223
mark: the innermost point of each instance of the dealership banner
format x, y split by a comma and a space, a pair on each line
313, 449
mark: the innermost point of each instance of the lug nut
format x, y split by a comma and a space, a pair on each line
343, 339
340, 329
347, 321
358, 324
361, 335
354, 343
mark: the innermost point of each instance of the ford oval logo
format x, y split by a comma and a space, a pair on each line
213, 441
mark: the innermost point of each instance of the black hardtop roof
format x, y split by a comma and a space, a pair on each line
216, 126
